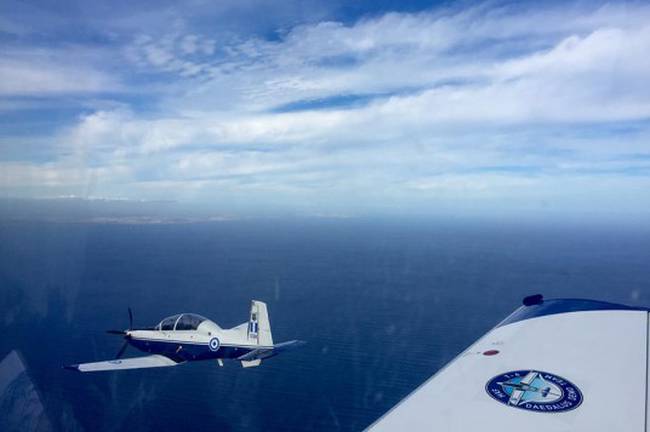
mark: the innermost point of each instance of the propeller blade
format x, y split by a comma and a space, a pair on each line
130, 319
121, 351
116, 332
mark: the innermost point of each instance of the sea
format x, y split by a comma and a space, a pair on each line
382, 304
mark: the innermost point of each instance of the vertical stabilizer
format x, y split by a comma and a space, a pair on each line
259, 326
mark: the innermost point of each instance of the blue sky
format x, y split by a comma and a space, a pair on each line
330, 107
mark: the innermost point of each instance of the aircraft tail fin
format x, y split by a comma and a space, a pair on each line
259, 326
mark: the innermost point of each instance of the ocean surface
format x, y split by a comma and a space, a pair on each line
382, 304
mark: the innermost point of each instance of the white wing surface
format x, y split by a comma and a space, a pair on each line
553, 365
151, 361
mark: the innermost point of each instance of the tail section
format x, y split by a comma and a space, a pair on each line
259, 333
259, 326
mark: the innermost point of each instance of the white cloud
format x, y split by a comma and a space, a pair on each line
174, 53
485, 103
397, 52
41, 72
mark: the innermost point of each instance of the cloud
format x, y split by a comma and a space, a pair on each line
415, 52
47, 72
173, 53
490, 103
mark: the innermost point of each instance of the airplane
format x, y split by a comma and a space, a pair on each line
520, 387
190, 337
574, 365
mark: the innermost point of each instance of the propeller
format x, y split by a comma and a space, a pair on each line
122, 349
123, 333
117, 332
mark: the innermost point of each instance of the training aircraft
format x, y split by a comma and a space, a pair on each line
553, 365
189, 337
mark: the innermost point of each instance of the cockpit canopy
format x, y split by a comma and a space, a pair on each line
186, 321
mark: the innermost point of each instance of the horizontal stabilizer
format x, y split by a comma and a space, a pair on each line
288, 345
264, 353
256, 354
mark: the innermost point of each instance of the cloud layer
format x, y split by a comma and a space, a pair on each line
483, 108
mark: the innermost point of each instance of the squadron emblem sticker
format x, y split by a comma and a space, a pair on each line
534, 391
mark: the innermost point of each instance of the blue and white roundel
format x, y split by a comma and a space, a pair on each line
534, 391
213, 344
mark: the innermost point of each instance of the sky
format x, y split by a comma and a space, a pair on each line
330, 107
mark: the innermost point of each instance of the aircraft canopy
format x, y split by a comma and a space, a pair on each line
186, 321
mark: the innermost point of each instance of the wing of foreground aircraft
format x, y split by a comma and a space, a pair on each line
553, 365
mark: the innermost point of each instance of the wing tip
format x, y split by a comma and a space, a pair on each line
74, 367
532, 300
298, 343
292, 344
537, 306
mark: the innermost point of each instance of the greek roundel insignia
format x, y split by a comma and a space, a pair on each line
534, 391
213, 344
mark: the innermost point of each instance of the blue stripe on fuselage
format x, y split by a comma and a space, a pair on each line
190, 350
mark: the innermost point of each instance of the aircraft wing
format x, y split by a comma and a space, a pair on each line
572, 365
150, 361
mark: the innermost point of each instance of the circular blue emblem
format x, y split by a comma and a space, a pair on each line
213, 344
534, 390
